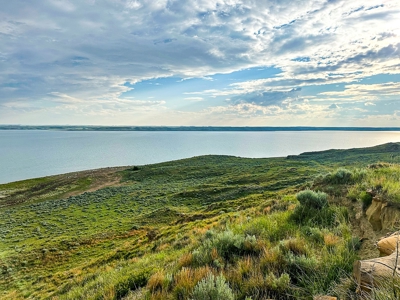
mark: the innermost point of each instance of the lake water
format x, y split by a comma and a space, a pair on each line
29, 154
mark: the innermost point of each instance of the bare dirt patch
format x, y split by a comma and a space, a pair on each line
100, 178
60, 186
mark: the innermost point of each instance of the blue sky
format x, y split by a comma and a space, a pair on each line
200, 62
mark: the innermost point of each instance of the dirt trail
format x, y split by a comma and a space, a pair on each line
101, 178
61, 186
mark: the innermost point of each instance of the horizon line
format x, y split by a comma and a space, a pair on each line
191, 128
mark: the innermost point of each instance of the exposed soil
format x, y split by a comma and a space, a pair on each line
362, 229
101, 178
62, 186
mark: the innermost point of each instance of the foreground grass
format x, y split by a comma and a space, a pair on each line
144, 237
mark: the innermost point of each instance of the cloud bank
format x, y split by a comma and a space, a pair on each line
77, 57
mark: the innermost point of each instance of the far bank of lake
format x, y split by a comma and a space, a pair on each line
35, 153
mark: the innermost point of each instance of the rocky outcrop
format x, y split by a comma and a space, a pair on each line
390, 215
371, 272
383, 215
388, 245
374, 214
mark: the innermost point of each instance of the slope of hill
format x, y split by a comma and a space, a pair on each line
160, 231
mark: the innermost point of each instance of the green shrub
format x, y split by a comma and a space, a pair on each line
226, 244
366, 200
294, 246
334, 265
353, 193
277, 284
211, 288
312, 217
299, 266
313, 233
342, 176
354, 244
274, 227
311, 199
359, 175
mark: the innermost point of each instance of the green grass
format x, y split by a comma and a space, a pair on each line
382, 180
109, 243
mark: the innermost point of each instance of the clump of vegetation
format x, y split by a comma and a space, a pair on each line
379, 165
383, 180
366, 199
342, 176
314, 210
312, 200
213, 288
224, 244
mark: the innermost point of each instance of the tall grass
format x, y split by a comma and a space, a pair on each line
384, 181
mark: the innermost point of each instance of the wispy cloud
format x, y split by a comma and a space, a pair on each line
375, 90
194, 98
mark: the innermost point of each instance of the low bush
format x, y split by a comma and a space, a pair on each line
273, 228
186, 279
313, 234
277, 284
314, 211
366, 200
328, 217
294, 246
341, 176
213, 288
311, 199
225, 244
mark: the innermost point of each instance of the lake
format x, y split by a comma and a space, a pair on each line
27, 154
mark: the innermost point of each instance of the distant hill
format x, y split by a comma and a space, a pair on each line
192, 128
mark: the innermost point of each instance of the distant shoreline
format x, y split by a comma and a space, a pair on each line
191, 128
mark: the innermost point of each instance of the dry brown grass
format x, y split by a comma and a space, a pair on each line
331, 240
185, 260
271, 259
187, 278
296, 246
155, 283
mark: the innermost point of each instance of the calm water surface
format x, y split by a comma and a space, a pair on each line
29, 154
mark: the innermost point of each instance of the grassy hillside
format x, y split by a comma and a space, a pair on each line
160, 231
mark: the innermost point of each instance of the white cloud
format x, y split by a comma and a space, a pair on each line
84, 51
367, 93
382, 89
194, 98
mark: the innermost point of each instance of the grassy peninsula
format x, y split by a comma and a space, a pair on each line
279, 228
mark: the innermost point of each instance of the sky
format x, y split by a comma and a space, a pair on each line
200, 62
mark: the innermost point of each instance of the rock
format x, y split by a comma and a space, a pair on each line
390, 215
324, 298
369, 273
383, 214
374, 214
387, 246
